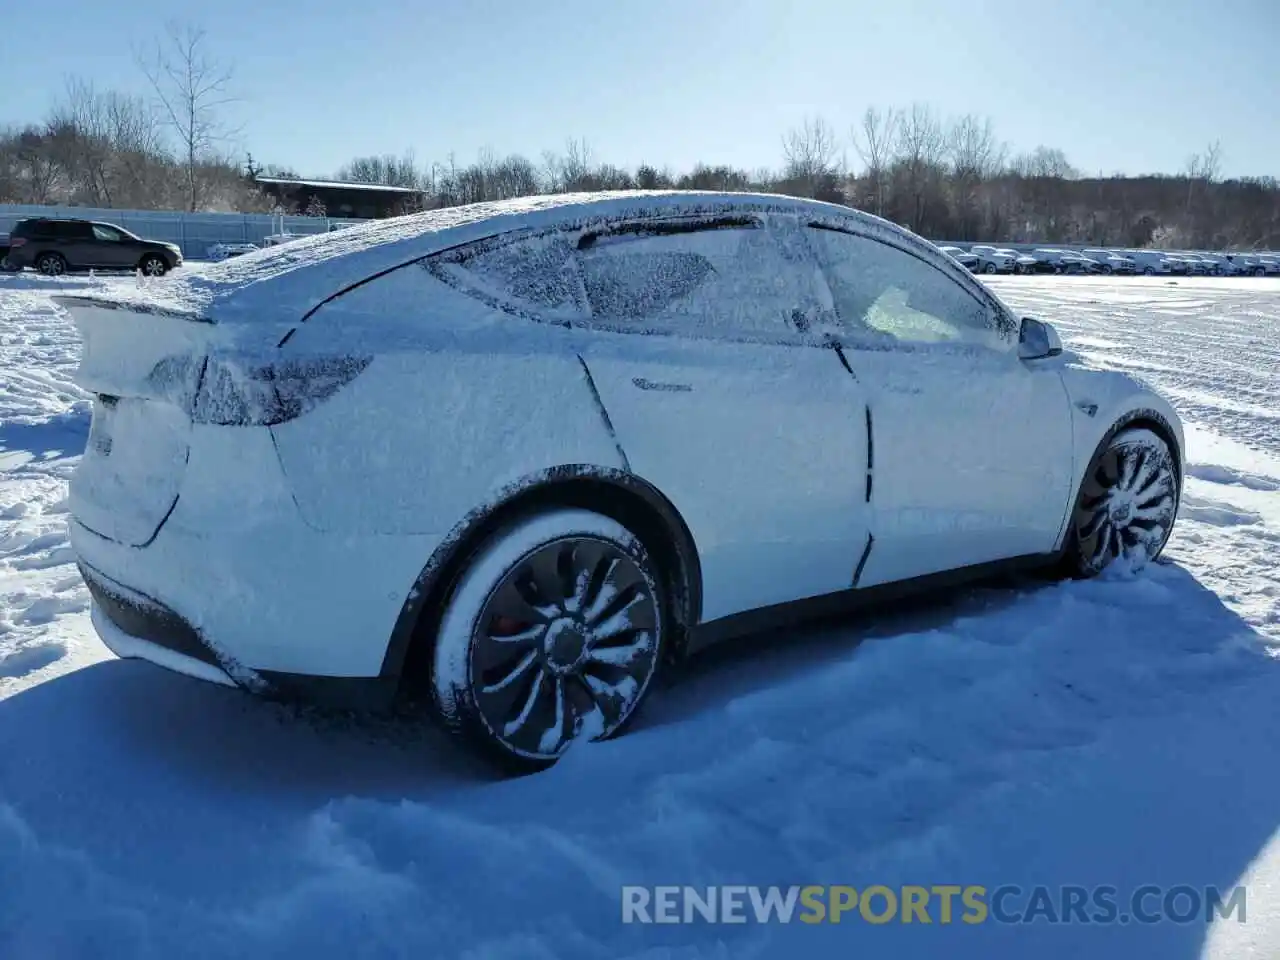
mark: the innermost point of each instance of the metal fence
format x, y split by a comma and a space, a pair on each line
193, 232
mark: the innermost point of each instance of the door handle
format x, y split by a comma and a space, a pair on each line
644, 384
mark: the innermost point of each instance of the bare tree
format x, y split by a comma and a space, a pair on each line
387, 170
875, 144
192, 89
974, 151
1045, 162
810, 152
1202, 168
921, 151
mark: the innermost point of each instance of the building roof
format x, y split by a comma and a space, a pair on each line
336, 184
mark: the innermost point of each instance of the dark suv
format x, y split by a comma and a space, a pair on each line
56, 246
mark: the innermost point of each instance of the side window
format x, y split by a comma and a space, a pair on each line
106, 233
883, 294
718, 281
70, 230
533, 275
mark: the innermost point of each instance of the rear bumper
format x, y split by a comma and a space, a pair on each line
107, 621
137, 617
236, 582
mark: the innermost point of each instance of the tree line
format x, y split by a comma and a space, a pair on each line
944, 178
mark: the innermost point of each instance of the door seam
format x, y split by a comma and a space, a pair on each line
604, 414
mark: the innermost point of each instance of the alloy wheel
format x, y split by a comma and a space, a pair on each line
1127, 504
564, 647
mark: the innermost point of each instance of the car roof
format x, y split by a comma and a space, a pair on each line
297, 277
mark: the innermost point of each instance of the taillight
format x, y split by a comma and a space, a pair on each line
229, 390
232, 393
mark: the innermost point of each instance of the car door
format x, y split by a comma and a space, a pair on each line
76, 242
753, 430
111, 249
971, 447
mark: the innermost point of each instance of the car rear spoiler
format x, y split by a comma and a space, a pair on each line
132, 305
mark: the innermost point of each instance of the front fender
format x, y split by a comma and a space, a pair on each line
1104, 402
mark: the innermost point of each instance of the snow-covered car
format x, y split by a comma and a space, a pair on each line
993, 259
221, 251
1152, 262
1247, 264
1067, 261
1270, 265
967, 260
1111, 262
1231, 265
1035, 261
1195, 266
513, 458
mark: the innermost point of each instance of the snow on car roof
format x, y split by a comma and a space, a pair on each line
297, 277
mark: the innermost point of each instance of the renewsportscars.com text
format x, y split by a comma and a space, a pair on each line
939, 903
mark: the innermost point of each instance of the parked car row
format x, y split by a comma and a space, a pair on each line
984, 258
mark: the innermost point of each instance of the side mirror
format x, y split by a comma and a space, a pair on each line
1038, 340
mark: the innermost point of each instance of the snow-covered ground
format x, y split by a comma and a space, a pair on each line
1119, 732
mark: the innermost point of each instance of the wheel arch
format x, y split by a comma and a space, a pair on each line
627, 498
1138, 417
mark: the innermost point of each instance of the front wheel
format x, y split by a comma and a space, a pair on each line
1127, 503
990, 268
154, 265
553, 634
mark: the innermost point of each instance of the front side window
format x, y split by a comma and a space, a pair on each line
724, 280
885, 295
106, 233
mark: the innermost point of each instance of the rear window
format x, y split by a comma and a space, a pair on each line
727, 280
52, 229
715, 276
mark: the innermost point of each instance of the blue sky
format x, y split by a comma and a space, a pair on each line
1123, 86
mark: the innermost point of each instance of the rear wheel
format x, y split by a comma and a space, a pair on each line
554, 633
990, 268
1107, 268
51, 264
1260, 272
154, 265
1127, 503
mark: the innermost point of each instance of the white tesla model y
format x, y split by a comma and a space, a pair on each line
519, 455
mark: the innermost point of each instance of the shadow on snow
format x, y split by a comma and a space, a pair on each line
1109, 732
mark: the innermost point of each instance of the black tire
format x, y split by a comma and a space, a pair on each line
1107, 269
51, 264
1149, 271
554, 632
153, 265
990, 268
1128, 499
1260, 272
